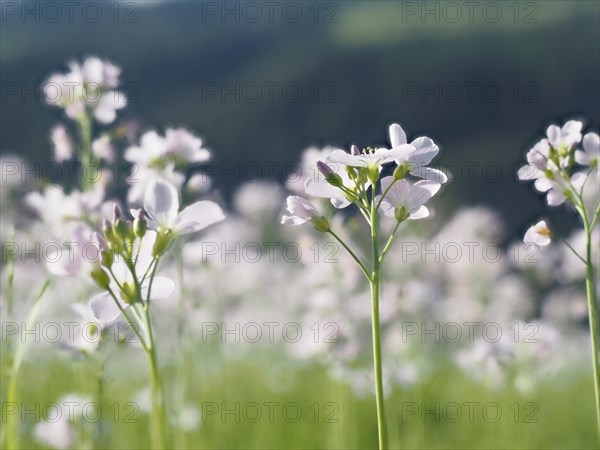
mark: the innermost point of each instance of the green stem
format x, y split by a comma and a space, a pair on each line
389, 242
85, 152
376, 327
590, 285
356, 258
12, 435
158, 402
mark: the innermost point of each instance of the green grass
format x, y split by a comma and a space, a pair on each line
552, 416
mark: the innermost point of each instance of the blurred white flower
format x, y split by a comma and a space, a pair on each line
62, 143
56, 434
90, 86
538, 234
103, 149
178, 146
141, 176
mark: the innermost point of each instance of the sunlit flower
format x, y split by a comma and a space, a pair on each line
103, 149
369, 158
590, 156
161, 203
302, 211
538, 234
178, 146
406, 200
417, 155
566, 137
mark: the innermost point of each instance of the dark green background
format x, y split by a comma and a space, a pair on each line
369, 53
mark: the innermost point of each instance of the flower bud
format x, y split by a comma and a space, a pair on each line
354, 150
122, 229
128, 293
330, 176
101, 278
401, 171
107, 258
401, 214
107, 229
162, 243
140, 225
117, 213
321, 224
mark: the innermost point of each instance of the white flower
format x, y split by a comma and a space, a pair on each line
538, 234
301, 211
56, 434
63, 144
178, 146
104, 307
417, 155
102, 148
78, 259
368, 159
318, 186
87, 332
406, 197
161, 204
590, 156
565, 137
539, 169
90, 86
141, 176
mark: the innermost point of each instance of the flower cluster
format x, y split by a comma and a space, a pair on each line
348, 178
561, 170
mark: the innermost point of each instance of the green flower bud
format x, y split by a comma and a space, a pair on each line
330, 176
321, 224
401, 171
101, 278
107, 258
107, 229
139, 224
162, 243
373, 174
122, 230
128, 293
401, 214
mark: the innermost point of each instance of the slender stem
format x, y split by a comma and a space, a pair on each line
389, 242
376, 328
158, 403
356, 258
85, 154
12, 434
385, 193
131, 322
590, 285
574, 251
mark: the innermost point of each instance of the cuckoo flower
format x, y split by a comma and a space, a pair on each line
302, 211
551, 165
161, 203
405, 200
538, 234
590, 156
417, 155
124, 282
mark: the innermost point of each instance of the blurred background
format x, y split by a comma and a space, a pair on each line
262, 82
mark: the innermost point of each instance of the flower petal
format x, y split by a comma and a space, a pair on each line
198, 216
162, 287
104, 307
161, 202
397, 135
